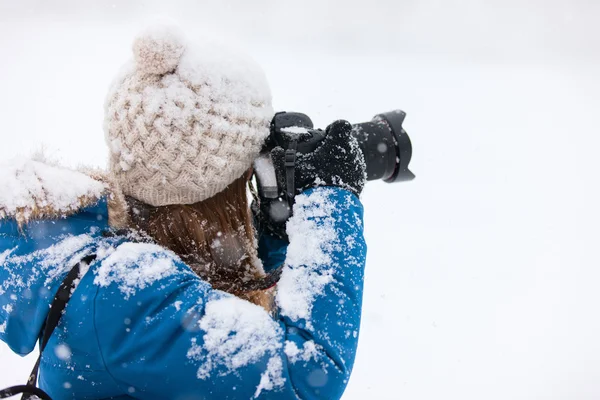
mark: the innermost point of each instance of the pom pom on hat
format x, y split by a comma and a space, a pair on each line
157, 50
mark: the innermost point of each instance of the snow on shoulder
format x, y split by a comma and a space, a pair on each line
238, 333
135, 266
33, 189
312, 235
52, 263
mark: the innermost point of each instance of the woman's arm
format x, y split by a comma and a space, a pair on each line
182, 338
320, 291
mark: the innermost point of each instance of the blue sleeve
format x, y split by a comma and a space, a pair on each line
271, 251
34, 259
177, 337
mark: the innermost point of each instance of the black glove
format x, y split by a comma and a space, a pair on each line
337, 161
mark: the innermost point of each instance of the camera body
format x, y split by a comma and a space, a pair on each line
385, 145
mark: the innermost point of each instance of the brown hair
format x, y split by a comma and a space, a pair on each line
215, 237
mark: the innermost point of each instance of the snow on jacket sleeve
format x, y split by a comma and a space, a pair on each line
175, 337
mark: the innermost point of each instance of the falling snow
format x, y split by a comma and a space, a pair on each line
63, 352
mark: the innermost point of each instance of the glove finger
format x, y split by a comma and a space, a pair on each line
338, 135
338, 130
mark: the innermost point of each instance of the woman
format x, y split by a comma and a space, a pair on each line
168, 232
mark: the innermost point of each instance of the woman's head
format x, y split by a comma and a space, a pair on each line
183, 124
183, 121
215, 237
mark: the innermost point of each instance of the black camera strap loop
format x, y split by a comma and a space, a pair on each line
61, 298
27, 389
290, 170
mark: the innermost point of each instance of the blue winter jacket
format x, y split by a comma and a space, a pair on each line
142, 325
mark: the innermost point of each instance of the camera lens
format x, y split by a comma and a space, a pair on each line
386, 147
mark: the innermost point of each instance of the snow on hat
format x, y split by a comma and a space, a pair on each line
184, 121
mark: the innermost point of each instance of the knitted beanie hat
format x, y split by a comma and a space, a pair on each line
184, 121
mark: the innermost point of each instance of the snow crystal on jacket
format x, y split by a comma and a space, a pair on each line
312, 238
53, 261
236, 333
135, 266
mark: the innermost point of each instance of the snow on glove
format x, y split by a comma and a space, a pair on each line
337, 161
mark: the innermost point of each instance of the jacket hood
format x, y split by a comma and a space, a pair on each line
35, 190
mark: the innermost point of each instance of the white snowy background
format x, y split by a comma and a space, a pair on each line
483, 274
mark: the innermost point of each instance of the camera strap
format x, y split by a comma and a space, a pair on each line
290, 167
61, 298
265, 283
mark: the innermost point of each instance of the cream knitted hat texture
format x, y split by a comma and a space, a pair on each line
184, 121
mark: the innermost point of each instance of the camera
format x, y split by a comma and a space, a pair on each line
383, 141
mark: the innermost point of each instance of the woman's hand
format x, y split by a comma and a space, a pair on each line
337, 161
